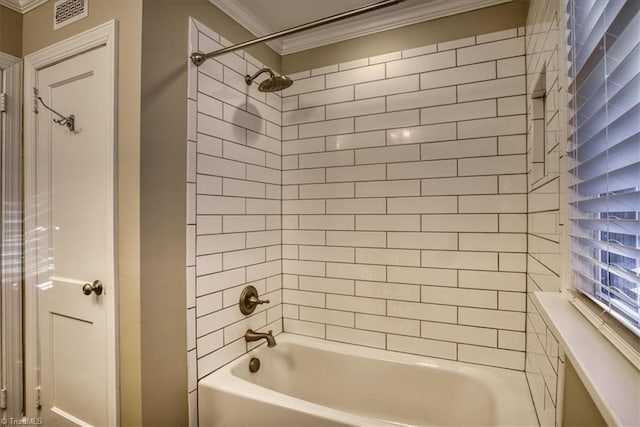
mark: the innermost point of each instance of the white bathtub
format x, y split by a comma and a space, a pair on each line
310, 382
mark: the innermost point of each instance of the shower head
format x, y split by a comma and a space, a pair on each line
275, 84
272, 84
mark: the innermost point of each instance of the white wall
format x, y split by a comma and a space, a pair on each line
404, 201
544, 263
233, 207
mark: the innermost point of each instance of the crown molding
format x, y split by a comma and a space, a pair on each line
7, 60
248, 20
371, 24
22, 6
359, 26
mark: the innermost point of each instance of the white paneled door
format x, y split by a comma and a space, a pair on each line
72, 237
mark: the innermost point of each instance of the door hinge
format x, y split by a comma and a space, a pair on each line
34, 100
38, 403
3, 102
3, 399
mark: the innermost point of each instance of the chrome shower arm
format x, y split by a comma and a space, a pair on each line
198, 57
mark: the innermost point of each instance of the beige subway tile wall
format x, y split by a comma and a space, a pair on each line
405, 201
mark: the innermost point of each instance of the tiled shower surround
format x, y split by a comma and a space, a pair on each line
233, 207
380, 202
544, 359
404, 201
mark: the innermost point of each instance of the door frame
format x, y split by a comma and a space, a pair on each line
11, 372
102, 35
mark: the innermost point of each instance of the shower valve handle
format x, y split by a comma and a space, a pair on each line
255, 300
249, 299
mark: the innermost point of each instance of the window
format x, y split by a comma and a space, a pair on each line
604, 151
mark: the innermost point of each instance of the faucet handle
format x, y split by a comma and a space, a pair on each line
256, 300
249, 299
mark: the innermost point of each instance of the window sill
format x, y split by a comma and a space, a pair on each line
611, 380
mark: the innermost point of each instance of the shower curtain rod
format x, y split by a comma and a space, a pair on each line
198, 57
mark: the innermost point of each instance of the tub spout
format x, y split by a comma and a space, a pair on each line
252, 335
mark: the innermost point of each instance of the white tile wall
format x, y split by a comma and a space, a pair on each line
234, 204
545, 49
405, 204
356, 108
390, 192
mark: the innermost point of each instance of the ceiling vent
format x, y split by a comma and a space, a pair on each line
67, 11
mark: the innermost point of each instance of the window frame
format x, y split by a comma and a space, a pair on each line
613, 327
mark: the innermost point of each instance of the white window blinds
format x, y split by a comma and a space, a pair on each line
604, 151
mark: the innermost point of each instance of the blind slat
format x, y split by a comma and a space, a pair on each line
622, 226
614, 180
619, 93
603, 245
620, 126
593, 284
625, 202
594, 30
625, 20
595, 147
599, 266
630, 320
595, 160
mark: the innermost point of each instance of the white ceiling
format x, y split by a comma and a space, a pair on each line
262, 17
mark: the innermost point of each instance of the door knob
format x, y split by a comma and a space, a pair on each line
96, 288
